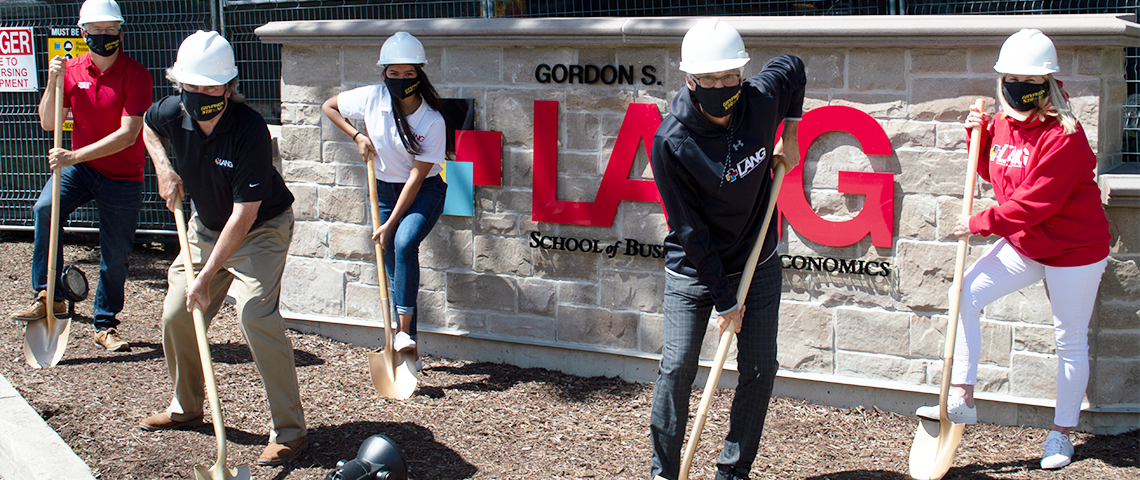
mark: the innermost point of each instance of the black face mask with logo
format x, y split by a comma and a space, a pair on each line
1023, 96
103, 45
202, 107
717, 102
402, 87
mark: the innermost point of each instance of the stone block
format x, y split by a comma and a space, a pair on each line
488, 293
833, 152
431, 309
298, 294
872, 331
997, 339
927, 336
917, 219
877, 69
565, 265
432, 280
938, 61
497, 224
310, 239
360, 64
644, 222
597, 326
1121, 280
982, 60
448, 247
951, 136
1117, 345
330, 132
503, 255
300, 143
1117, 317
469, 320
806, 338
302, 171
651, 333
631, 290
343, 204
593, 99
948, 98
520, 63
363, 301
518, 172
1034, 338
1123, 224
801, 245
578, 293
1033, 375
824, 69
344, 153
352, 175
1118, 382
304, 201
512, 112
1029, 305
948, 210
301, 114
577, 188
930, 171
477, 65
540, 328
351, 242
993, 379
925, 273
538, 297
580, 131
908, 134
880, 367
305, 73
572, 163
877, 105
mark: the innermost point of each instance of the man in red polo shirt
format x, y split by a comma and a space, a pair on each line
107, 93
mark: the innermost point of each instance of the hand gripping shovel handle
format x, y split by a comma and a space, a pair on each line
726, 337
218, 471
930, 459
51, 337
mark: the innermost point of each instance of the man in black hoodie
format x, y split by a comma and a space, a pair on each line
712, 160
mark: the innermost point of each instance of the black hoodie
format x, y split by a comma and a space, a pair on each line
715, 181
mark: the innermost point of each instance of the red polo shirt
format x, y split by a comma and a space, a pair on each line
98, 101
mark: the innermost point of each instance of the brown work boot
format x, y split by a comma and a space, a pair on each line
36, 311
110, 340
278, 453
162, 421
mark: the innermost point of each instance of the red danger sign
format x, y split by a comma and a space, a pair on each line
16, 41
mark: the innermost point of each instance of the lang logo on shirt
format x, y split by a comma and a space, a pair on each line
1009, 156
83, 85
746, 166
223, 163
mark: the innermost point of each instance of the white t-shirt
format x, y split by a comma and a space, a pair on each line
394, 165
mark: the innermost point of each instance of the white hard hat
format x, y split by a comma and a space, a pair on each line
1028, 52
100, 11
204, 59
712, 46
402, 49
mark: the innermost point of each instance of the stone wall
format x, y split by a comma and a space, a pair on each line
916, 76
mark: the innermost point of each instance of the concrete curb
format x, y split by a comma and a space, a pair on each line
29, 449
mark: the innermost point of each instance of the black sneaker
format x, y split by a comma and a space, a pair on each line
728, 472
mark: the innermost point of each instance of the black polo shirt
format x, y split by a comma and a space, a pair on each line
234, 164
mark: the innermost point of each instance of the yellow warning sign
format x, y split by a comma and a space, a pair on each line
66, 42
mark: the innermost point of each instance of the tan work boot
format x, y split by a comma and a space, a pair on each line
110, 340
162, 421
278, 453
36, 311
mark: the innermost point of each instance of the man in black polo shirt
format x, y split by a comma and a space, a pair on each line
240, 229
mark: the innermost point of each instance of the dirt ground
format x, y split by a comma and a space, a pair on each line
467, 420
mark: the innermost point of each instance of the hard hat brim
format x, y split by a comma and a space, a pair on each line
402, 61
100, 18
697, 68
200, 80
1024, 70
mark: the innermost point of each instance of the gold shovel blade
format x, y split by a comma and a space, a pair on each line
220, 472
393, 378
933, 451
45, 341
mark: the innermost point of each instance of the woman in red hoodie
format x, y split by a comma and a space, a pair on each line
1052, 225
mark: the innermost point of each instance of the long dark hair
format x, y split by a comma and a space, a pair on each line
427, 92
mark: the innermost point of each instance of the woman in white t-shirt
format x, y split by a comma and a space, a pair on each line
406, 134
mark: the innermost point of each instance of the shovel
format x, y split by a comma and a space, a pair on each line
219, 470
935, 441
393, 373
46, 340
726, 337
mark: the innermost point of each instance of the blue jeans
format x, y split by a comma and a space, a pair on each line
402, 258
118, 202
688, 307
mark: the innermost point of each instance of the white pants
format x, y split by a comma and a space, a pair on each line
1072, 293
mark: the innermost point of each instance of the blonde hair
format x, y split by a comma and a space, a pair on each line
1054, 105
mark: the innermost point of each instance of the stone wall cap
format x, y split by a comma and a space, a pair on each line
1110, 30
1120, 187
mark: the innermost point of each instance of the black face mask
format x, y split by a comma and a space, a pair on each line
1022, 96
717, 102
202, 107
103, 45
402, 87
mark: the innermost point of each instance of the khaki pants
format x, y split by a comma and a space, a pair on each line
257, 265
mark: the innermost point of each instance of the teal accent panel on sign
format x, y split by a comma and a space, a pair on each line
460, 200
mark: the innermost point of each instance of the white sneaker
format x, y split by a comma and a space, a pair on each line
1058, 451
956, 411
403, 342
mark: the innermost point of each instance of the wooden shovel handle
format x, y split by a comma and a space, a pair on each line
381, 272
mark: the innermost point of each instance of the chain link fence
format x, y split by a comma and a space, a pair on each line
154, 30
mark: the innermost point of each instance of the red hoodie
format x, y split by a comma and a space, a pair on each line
1048, 200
